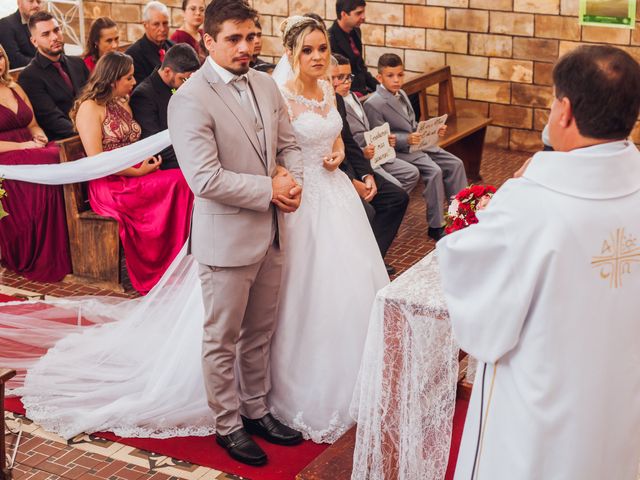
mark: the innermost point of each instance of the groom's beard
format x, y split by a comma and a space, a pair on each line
239, 71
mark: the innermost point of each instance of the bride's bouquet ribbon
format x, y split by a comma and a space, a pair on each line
88, 168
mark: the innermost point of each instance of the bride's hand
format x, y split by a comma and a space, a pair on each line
334, 161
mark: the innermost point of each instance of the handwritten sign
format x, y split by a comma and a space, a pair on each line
379, 138
428, 131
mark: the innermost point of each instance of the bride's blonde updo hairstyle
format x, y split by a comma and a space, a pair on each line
294, 30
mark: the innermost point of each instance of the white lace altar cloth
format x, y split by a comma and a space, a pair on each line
406, 393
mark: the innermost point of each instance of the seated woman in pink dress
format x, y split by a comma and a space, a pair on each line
33, 238
103, 37
152, 206
190, 31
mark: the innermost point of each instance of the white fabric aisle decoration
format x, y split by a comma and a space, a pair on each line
88, 168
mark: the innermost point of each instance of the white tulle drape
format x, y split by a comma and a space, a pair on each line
88, 168
137, 373
406, 393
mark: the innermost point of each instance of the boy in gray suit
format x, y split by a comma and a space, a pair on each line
442, 172
396, 171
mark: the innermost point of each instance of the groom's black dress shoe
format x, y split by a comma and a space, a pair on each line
242, 448
390, 269
272, 430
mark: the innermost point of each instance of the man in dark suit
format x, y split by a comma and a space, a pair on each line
14, 33
346, 39
384, 202
52, 80
150, 100
149, 51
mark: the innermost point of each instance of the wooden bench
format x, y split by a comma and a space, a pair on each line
5, 376
465, 135
93, 239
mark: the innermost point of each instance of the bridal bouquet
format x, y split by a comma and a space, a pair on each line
3, 193
463, 207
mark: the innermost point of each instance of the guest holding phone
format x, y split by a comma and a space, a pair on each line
152, 206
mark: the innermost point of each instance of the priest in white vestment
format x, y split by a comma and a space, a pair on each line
545, 292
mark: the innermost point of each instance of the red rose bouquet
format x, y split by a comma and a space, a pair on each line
463, 207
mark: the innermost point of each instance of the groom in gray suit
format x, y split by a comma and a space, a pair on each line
236, 147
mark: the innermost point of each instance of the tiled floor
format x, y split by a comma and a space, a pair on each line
45, 456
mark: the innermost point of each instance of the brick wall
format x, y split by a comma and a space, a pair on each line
501, 52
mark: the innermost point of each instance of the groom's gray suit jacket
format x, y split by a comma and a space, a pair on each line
219, 152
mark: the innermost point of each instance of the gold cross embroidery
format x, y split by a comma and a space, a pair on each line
617, 255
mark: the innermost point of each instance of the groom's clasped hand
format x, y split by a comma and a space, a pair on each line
286, 191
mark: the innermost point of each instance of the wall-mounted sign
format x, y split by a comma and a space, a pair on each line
608, 13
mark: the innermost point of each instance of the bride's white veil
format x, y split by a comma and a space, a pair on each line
283, 71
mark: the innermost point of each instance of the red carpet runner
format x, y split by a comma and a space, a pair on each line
284, 462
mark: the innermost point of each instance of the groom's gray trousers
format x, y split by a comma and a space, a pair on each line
240, 316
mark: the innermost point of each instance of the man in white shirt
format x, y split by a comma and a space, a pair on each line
544, 292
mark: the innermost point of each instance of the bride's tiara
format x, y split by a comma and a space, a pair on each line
292, 22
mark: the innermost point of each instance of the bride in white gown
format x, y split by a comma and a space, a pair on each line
133, 366
333, 266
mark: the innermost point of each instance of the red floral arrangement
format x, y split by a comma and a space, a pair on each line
463, 207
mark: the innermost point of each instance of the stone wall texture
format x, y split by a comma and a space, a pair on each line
501, 52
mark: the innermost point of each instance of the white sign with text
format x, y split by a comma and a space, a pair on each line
379, 138
428, 131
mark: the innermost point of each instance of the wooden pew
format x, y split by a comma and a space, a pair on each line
465, 135
5, 376
93, 239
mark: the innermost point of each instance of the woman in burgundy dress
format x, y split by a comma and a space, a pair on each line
190, 31
33, 238
152, 206
103, 37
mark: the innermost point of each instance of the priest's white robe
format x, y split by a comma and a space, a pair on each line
545, 291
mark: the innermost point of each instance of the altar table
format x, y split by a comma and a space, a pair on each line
406, 392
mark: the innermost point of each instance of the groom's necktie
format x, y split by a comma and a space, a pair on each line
241, 84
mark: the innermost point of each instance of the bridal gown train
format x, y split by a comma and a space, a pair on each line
133, 366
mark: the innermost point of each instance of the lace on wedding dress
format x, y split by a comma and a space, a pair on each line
299, 105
